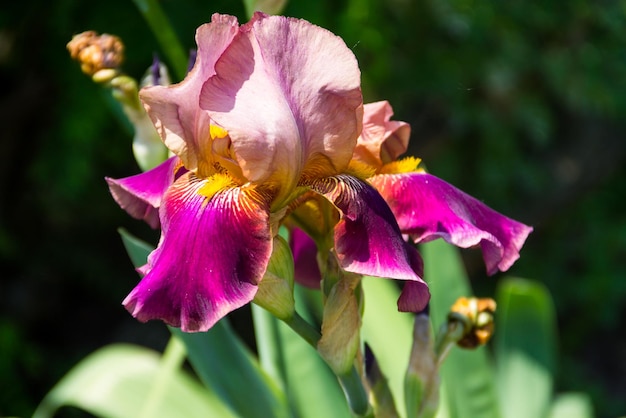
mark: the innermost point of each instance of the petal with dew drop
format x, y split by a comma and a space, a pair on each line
214, 249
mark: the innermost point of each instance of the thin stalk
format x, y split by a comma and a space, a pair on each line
164, 33
304, 329
352, 386
351, 382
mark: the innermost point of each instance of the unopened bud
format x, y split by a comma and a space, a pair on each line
96, 52
476, 315
341, 324
275, 292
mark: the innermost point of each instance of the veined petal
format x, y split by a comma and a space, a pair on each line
382, 140
304, 250
367, 238
288, 93
175, 110
214, 249
427, 207
141, 195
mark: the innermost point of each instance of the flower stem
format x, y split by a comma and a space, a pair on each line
304, 329
352, 386
351, 382
163, 31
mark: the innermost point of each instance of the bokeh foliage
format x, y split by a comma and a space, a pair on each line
521, 104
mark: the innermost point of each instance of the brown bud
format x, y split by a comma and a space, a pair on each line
96, 52
477, 318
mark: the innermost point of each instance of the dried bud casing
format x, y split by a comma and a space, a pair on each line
96, 52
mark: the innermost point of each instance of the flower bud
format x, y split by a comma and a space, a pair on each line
421, 381
96, 52
476, 315
341, 324
275, 292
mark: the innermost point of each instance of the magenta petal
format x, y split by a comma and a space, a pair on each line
304, 250
288, 93
212, 254
415, 295
427, 207
367, 238
141, 195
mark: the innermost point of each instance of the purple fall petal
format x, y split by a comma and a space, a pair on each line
212, 254
367, 238
140, 195
427, 208
415, 295
307, 271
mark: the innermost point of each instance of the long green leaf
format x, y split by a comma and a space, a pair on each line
116, 381
524, 348
467, 375
227, 367
572, 405
389, 333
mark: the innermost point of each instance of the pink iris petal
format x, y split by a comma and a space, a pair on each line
140, 195
288, 93
307, 271
175, 110
382, 140
367, 238
427, 207
212, 254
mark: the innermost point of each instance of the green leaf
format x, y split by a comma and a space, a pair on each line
388, 333
227, 367
137, 249
117, 381
467, 375
572, 405
524, 348
312, 388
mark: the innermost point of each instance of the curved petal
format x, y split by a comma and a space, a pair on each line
140, 195
175, 110
415, 295
382, 140
304, 250
288, 93
427, 207
367, 237
214, 250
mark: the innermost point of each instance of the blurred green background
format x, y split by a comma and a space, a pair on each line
521, 104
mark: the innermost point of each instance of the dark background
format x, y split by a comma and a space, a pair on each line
522, 105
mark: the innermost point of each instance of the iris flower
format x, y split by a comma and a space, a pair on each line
425, 207
266, 122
